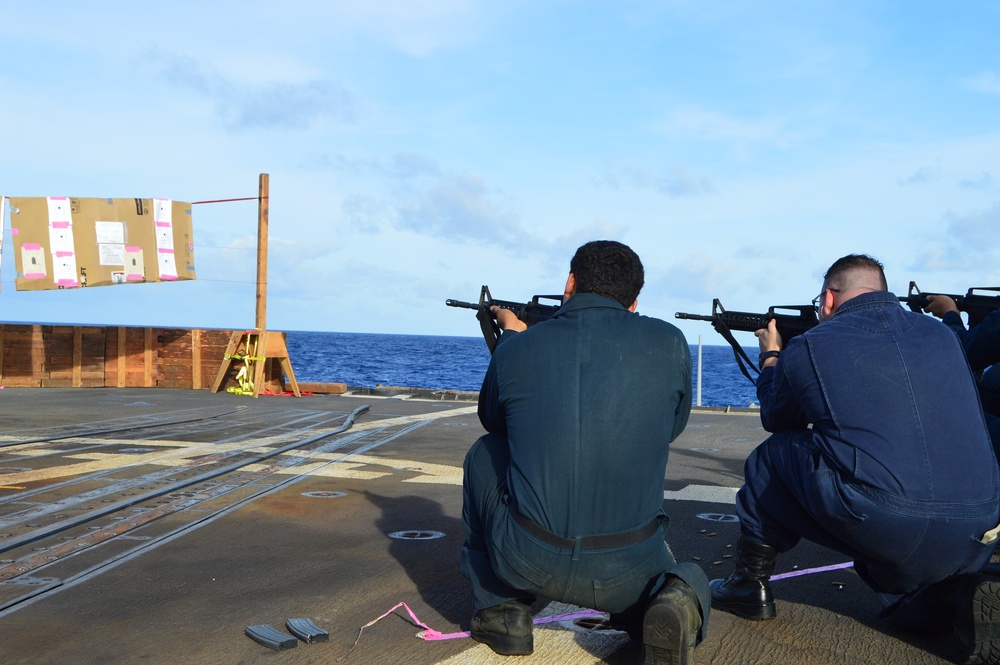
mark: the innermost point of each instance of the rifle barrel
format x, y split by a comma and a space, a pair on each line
693, 317
461, 303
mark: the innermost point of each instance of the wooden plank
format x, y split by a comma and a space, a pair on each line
227, 359
324, 388
122, 356
77, 355
196, 359
147, 358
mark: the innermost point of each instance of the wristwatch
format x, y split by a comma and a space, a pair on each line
765, 355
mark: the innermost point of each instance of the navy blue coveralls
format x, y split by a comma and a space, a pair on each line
897, 471
982, 348
563, 498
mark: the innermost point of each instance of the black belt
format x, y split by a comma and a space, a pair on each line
586, 542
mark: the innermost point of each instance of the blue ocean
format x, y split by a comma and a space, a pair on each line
459, 363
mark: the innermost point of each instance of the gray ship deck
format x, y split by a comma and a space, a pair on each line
154, 526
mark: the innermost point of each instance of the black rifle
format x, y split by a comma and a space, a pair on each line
789, 325
977, 305
530, 312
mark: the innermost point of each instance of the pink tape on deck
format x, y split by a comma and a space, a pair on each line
428, 634
809, 571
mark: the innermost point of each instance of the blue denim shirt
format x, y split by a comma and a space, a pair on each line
891, 401
589, 401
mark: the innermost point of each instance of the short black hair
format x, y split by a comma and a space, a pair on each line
850, 271
608, 268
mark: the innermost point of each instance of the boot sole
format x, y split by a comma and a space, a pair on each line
751, 612
505, 645
668, 634
985, 646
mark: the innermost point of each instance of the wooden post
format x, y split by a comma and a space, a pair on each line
266, 349
262, 208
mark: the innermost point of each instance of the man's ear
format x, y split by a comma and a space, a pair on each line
828, 304
634, 305
570, 289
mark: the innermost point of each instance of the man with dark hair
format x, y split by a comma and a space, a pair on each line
896, 470
563, 497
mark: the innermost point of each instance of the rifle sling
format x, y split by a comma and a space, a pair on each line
738, 351
490, 328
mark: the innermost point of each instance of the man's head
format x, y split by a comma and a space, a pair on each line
606, 268
848, 277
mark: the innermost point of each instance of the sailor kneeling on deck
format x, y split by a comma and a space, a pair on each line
563, 497
879, 451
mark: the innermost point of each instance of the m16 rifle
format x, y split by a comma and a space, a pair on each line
530, 312
724, 322
977, 305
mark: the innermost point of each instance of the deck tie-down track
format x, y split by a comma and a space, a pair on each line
55, 535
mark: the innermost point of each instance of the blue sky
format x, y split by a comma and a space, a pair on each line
417, 150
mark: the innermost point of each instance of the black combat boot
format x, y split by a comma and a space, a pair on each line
505, 628
747, 593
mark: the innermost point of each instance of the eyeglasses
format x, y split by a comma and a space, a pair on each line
815, 301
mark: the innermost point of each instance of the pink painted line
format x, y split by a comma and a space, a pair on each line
428, 634
810, 571
61, 225
165, 250
34, 275
62, 255
31, 245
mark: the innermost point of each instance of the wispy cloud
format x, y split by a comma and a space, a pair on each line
421, 197
675, 183
968, 243
983, 181
691, 122
272, 104
697, 277
922, 175
986, 83
460, 207
401, 166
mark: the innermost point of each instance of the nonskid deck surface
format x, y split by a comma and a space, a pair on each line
142, 525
